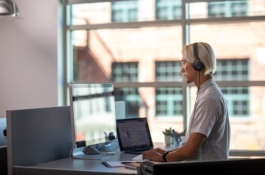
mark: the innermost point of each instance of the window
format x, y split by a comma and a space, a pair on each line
137, 45
168, 100
168, 9
237, 98
236, 69
168, 71
228, 8
124, 11
126, 72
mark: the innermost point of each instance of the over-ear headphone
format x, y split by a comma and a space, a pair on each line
197, 65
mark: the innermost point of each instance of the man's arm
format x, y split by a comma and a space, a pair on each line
189, 149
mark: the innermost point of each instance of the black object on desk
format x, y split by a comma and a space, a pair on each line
113, 164
235, 166
3, 160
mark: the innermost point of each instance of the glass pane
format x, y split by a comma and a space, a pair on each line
150, 103
246, 111
239, 48
145, 54
227, 9
124, 11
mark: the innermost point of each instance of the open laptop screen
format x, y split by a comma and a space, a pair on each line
134, 135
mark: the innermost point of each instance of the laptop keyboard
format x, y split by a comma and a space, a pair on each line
136, 151
139, 158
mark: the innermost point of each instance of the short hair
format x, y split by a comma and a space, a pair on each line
206, 56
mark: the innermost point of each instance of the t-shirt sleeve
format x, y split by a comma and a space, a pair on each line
206, 113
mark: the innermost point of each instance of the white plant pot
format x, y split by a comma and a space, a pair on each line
168, 140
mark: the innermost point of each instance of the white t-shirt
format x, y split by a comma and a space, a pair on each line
210, 118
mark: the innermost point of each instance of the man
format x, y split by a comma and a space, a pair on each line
208, 136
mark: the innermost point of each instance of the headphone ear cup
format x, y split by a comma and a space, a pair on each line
198, 65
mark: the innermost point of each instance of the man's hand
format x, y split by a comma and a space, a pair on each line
159, 150
153, 155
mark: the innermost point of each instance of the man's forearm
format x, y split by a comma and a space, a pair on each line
178, 154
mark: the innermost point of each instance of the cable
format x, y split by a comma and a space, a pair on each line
71, 151
199, 81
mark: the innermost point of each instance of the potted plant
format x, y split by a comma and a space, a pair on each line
168, 135
173, 137
177, 137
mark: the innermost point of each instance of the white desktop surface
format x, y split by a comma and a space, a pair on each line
89, 166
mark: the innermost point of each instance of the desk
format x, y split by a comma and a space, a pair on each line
70, 166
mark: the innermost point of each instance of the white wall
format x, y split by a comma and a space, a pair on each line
28, 57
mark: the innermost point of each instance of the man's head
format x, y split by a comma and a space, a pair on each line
205, 54
197, 57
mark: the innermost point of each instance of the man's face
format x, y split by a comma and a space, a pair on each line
188, 71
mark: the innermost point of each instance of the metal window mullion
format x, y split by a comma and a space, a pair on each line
64, 56
165, 23
182, 84
70, 2
125, 25
240, 83
147, 84
226, 19
185, 41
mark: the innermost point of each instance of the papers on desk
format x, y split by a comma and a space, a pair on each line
132, 165
113, 164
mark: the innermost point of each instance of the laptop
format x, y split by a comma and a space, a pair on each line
2, 128
134, 135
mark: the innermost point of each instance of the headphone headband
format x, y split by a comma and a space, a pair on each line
195, 51
197, 65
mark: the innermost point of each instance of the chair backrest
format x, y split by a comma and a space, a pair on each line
38, 135
3, 160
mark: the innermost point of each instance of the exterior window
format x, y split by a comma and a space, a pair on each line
168, 100
124, 11
228, 8
127, 72
237, 69
124, 72
237, 98
168, 9
168, 71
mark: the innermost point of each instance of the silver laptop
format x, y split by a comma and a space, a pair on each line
2, 128
134, 135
